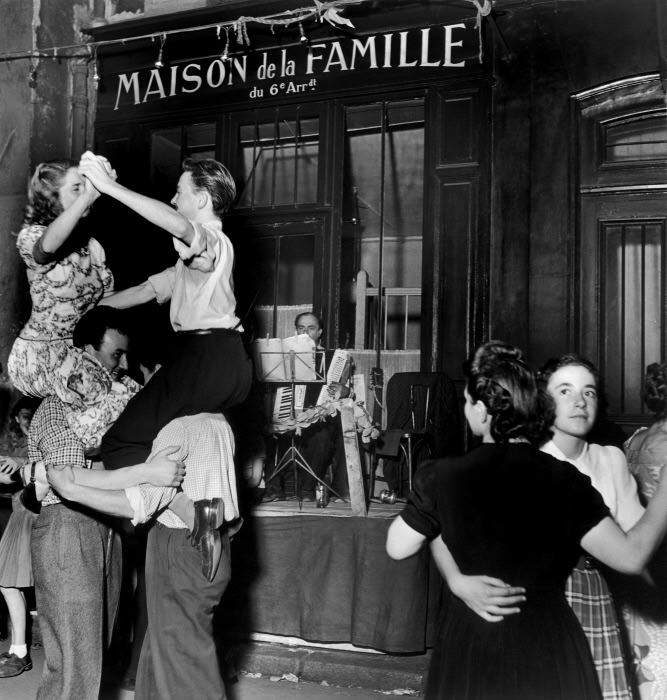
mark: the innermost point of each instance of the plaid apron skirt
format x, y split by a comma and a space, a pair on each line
590, 599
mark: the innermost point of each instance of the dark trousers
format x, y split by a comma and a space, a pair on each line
178, 659
322, 445
204, 373
76, 566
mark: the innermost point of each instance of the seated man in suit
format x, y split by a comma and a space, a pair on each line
320, 444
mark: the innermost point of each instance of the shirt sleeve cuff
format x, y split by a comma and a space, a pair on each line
163, 285
136, 500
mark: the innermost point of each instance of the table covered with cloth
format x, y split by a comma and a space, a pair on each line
329, 579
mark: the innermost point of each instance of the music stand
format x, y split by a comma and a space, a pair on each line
294, 366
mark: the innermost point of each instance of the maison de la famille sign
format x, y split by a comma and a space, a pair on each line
318, 67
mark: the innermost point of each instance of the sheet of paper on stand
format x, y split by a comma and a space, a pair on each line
286, 359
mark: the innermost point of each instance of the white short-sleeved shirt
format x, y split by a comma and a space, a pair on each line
200, 284
608, 471
205, 443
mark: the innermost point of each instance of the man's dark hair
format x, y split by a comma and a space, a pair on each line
308, 313
92, 326
211, 175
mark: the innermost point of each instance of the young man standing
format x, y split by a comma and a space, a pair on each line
178, 658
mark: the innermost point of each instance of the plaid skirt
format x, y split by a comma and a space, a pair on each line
590, 599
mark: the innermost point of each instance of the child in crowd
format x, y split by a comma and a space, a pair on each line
15, 559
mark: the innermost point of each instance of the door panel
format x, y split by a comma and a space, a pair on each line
622, 291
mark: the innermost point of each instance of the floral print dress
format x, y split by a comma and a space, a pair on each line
645, 605
43, 360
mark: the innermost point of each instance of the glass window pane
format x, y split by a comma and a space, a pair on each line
363, 117
307, 164
392, 218
285, 165
246, 133
280, 160
637, 139
309, 126
405, 113
296, 270
287, 269
200, 155
200, 135
166, 159
268, 253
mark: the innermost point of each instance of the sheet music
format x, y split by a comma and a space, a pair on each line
299, 350
334, 373
287, 359
269, 360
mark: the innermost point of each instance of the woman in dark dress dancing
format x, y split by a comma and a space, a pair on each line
507, 510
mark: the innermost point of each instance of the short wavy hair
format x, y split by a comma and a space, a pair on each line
211, 175
553, 364
498, 376
654, 390
550, 367
43, 199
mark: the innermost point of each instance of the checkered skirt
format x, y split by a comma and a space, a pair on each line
590, 599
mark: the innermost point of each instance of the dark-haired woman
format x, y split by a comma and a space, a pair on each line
68, 275
571, 383
645, 605
500, 509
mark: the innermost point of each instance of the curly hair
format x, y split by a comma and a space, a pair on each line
211, 175
654, 390
498, 376
43, 199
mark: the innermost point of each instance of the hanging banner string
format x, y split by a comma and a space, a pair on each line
483, 10
321, 11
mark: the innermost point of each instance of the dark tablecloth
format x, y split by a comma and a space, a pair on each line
329, 579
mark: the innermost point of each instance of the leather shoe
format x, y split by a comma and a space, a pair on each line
12, 665
205, 535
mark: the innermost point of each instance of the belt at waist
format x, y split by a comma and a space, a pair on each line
209, 331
